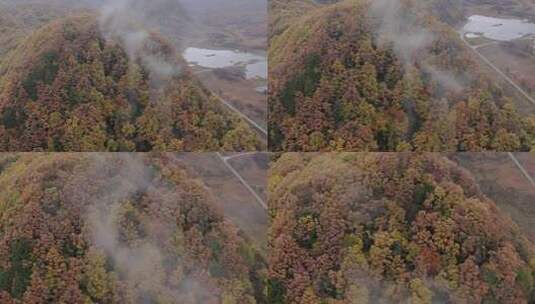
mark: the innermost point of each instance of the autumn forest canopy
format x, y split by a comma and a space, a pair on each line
76, 84
390, 228
97, 228
319, 152
383, 76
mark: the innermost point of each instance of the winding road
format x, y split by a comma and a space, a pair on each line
225, 160
253, 123
522, 169
475, 48
495, 68
261, 129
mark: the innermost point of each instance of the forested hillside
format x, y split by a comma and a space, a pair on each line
72, 86
385, 76
121, 228
283, 12
19, 18
390, 228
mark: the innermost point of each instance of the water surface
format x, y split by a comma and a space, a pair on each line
500, 29
255, 65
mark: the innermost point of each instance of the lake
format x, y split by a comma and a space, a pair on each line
500, 29
255, 65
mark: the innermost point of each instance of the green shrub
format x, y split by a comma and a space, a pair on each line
16, 278
44, 72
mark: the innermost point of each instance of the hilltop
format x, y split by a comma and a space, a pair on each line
69, 85
387, 76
